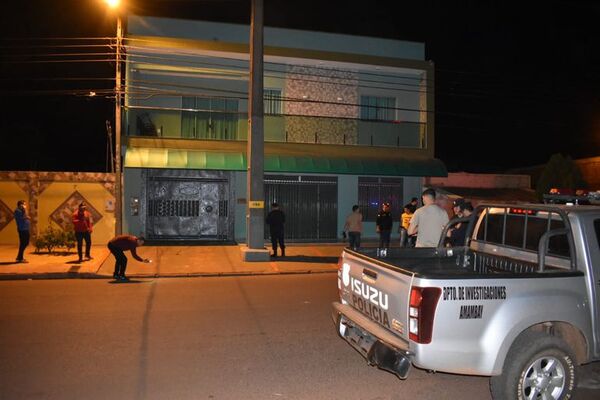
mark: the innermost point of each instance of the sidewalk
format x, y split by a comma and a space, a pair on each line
170, 261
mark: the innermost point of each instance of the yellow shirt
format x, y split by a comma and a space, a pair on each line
406, 220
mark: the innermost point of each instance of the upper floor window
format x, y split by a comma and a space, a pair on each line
212, 118
377, 108
272, 101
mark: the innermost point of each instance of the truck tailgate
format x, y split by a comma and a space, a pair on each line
379, 291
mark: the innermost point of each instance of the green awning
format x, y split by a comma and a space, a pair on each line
236, 161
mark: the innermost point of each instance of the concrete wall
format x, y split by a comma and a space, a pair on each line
240, 206
132, 187
276, 37
590, 169
492, 181
52, 197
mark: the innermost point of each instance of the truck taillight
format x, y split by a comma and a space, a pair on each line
423, 302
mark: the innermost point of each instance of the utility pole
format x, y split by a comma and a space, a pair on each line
255, 193
118, 176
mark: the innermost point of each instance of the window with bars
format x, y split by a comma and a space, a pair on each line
272, 101
373, 192
376, 108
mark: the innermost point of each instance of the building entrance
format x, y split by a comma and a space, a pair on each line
190, 208
309, 204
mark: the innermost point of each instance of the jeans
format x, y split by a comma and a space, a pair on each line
23, 243
121, 260
81, 236
384, 239
354, 240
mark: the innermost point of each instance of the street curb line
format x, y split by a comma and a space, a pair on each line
74, 275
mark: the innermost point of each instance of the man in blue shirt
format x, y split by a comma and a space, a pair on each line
22, 220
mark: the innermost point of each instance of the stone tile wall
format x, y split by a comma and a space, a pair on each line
329, 94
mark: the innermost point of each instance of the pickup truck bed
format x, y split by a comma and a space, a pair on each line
440, 264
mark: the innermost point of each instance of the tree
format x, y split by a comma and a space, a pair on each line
560, 172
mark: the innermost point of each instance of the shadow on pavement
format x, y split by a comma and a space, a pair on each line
113, 282
8, 262
307, 259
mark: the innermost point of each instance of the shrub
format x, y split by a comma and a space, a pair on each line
51, 238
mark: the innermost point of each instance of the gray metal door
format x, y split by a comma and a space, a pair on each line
187, 208
309, 204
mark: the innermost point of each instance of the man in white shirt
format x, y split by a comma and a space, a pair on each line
428, 222
353, 226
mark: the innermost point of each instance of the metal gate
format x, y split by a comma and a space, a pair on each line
309, 204
187, 208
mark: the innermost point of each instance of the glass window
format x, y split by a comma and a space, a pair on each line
372, 192
493, 231
209, 118
536, 227
377, 108
272, 101
516, 229
559, 245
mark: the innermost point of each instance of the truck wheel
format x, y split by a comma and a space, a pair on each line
538, 366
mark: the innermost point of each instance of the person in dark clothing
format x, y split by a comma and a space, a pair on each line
23, 225
384, 224
118, 246
275, 220
457, 235
82, 224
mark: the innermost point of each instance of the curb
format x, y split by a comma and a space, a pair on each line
75, 275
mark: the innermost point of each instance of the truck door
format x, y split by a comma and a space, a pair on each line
593, 237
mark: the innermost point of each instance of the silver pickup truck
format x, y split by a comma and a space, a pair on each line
519, 302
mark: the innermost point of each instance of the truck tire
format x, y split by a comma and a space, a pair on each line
537, 366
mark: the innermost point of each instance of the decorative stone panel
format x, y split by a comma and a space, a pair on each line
6, 215
63, 213
321, 105
322, 130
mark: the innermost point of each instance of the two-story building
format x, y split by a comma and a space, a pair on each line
348, 120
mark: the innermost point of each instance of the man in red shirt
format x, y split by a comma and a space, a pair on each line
118, 246
82, 223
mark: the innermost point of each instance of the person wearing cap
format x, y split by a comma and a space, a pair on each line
82, 224
118, 246
456, 207
457, 235
428, 222
383, 225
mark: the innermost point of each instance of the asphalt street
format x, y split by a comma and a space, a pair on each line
251, 337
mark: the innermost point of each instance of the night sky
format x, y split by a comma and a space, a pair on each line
515, 83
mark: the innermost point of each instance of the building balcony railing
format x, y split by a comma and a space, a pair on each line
219, 125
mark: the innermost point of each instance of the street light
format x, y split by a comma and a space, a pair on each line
115, 5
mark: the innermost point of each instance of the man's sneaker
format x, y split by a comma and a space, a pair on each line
23, 261
123, 278
116, 277
89, 257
